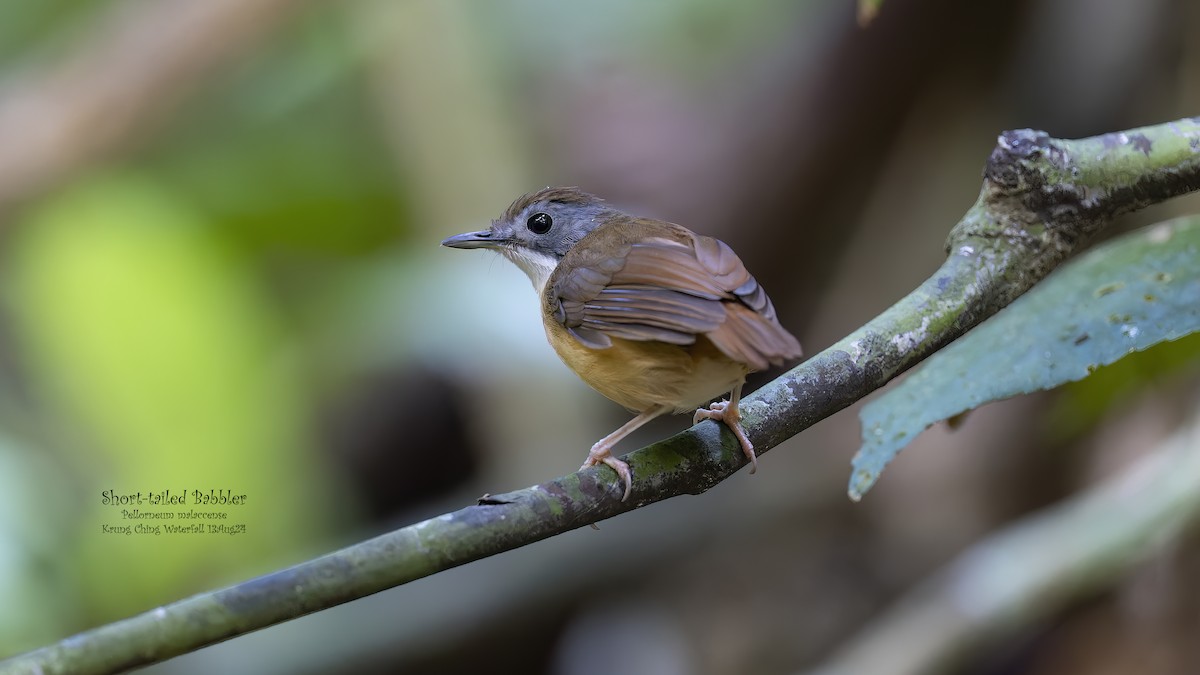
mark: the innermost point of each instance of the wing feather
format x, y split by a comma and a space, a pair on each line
670, 288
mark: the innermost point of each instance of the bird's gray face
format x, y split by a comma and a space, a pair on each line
538, 229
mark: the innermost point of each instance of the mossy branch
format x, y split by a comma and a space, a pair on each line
1041, 197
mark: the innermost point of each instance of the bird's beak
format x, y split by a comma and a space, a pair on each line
481, 239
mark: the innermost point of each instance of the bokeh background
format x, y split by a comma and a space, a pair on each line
219, 269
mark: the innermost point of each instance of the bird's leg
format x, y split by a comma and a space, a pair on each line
600, 453
727, 412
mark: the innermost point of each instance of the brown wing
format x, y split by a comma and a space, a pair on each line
670, 288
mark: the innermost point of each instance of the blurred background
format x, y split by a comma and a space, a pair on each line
219, 269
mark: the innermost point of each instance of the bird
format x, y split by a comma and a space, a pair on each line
652, 315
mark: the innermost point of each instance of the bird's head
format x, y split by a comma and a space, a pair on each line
538, 229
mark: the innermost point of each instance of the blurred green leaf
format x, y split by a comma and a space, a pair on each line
1125, 296
695, 39
155, 351
292, 190
33, 30
36, 504
284, 157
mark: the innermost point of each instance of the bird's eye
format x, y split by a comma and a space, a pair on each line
539, 223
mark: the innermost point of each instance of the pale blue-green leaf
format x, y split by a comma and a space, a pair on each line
1125, 296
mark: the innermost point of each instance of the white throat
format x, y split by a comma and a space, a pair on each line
536, 265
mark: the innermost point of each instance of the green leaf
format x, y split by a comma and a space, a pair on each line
1122, 297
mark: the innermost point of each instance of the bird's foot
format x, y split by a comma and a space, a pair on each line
600, 455
722, 411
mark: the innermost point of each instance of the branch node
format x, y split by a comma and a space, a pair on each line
1012, 166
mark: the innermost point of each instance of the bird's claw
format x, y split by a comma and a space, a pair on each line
732, 417
603, 456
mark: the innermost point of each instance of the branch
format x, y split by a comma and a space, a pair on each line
1035, 567
1040, 197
